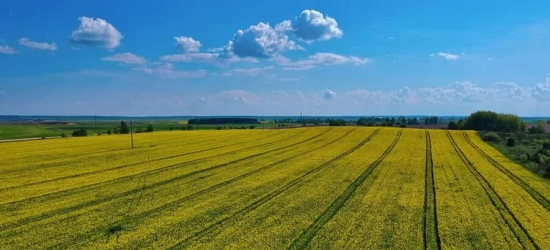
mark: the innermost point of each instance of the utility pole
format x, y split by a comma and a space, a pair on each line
131, 134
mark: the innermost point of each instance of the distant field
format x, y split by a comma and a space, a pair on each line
18, 131
305, 188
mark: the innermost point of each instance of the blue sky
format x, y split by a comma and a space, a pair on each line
143, 58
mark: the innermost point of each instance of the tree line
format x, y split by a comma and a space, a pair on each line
223, 120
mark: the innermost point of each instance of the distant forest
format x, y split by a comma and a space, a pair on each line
227, 120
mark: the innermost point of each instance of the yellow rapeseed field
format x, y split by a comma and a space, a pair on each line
300, 188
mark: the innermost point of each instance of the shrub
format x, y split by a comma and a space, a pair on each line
511, 142
187, 127
252, 127
452, 125
546, 145
523, 158
149, 128
542, 159
81, 132
337, 123
492, 137
139, 130
108, 131
403, 125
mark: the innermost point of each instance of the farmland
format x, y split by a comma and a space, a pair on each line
301, 188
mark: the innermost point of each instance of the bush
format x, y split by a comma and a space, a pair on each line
403, 125
337, 123
81, 132
252, 127
511, 142
523, 158
149, 128
542, 159
492, 137
187, 127
108, 131
546, 145
139, 130
538, 128
452, 125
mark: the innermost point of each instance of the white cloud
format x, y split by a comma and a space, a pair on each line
541, 91
37, 45
188, 44
166, 70
7, 50
209, 58
321, 59
262, 41
446, 55
231, 97
329, 94
247, 71
126, 58
311, 25
96, 32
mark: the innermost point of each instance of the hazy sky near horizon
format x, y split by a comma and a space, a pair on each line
377, 57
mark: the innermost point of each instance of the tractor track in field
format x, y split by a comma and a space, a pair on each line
148, 172
305, 238
431, 233
497, 201
530, 190
53, 164
138, 163
270, 196
28, 220
176, 203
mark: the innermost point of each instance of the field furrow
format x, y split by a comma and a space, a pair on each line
387, 210
117, 190
95, 164
71, 185
467, 218
540, 197
302, 188
521, 234
431, 234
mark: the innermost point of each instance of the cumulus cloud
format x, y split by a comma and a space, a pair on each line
247, 71
211, 58
262, 41
446, 55
188, 44
96, 32
167, 71
232, 97
37, 45
321, 59
4, 49
126, 58
329, 94
312, 25
541, 91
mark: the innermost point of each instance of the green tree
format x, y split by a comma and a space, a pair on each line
149, 128
452, 125
538, 128
124, 128
80, 132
